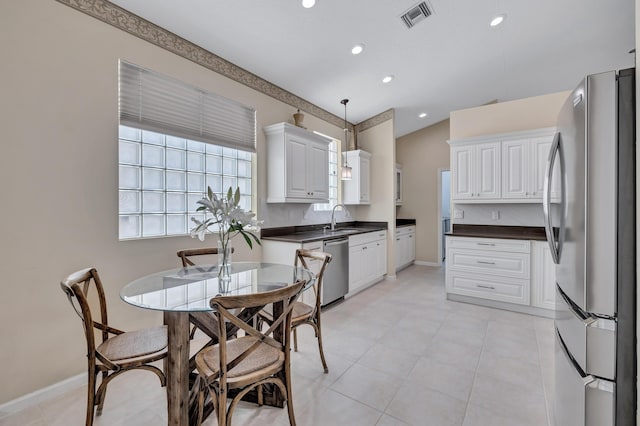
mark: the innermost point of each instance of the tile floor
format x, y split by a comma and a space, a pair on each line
399, 353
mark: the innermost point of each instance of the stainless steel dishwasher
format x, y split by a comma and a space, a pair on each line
335, 283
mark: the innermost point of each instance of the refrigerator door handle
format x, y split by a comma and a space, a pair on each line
554, 244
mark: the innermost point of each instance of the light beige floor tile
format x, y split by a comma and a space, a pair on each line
389, 359
419, 405
508, 400
450, 380
387, 420
511, 370
524, 350
453, 353
463, 336
409, 341
333, 408
348, 345
480, 416
371, 387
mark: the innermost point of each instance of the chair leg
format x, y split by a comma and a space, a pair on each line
102, 393
222, 407
295, 339
287, 381
91, 394
319, 335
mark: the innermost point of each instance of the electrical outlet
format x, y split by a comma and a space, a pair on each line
458, 214
495, 214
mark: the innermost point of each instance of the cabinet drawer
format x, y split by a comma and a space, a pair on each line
488, 287
496, 263
404, 230
489, 244
367, 238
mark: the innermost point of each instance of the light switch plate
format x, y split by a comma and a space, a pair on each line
495, 214
458, 214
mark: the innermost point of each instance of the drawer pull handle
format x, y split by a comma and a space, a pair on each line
486, 244
486, 286
485, 263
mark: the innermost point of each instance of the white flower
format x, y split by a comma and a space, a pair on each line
228, 215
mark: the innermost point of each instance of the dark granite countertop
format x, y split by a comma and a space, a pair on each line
492, 231
405, 222
310, 233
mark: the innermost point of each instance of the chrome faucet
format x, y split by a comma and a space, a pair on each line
333, 215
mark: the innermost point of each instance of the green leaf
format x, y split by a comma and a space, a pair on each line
230, 194
236, 198
209, 192
247, 239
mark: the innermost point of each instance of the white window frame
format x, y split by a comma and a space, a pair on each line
334, 178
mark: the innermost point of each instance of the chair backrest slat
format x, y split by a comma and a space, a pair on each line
303, 257
186, 254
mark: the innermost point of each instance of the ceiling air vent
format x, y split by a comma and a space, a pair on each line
416, 14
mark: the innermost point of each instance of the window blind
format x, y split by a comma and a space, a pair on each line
155, 102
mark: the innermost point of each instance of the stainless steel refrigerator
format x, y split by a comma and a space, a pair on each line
593, 245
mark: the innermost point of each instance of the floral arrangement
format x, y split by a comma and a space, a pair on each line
230, 218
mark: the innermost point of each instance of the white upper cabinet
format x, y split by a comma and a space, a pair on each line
524, 163
475, 171
358, 189
297, 165
503, 168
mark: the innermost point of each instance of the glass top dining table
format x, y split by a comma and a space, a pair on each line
184, 294
190, 289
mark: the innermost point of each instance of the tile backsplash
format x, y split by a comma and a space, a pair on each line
500, 214
276, 215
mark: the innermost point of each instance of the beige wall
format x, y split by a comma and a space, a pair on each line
59, 176
503, 117
422, 154
379, 141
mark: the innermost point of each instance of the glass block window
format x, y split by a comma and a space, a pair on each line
161, 178
333, 179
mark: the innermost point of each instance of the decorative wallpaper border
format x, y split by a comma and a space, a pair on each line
122, 19
375, 120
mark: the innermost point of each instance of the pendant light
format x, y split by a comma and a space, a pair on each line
346, 169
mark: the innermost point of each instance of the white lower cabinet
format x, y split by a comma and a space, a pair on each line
367, 259
518, 272
543, 276
405, 246
285, 252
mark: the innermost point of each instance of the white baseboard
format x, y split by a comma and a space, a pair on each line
424, 263
43, 394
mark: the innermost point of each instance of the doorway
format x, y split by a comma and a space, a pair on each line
444, 198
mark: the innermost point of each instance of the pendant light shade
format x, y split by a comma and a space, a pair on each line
346, 169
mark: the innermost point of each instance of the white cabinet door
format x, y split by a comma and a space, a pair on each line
515, 176
543, 276
318, 171
488, 170
296, 176
365, 180
461, 176
357, 189
357, 262
380, 266
540, 153
524, 163
475, 171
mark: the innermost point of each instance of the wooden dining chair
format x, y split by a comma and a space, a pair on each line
186, 254
316, 262
116, 351
253, 360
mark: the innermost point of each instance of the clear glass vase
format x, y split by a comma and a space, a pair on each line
224, 265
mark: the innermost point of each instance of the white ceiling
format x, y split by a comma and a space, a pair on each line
451, 60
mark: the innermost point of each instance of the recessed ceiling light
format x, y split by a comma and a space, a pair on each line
308, 3
387, 78
497, 20
357, 49
422, 115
